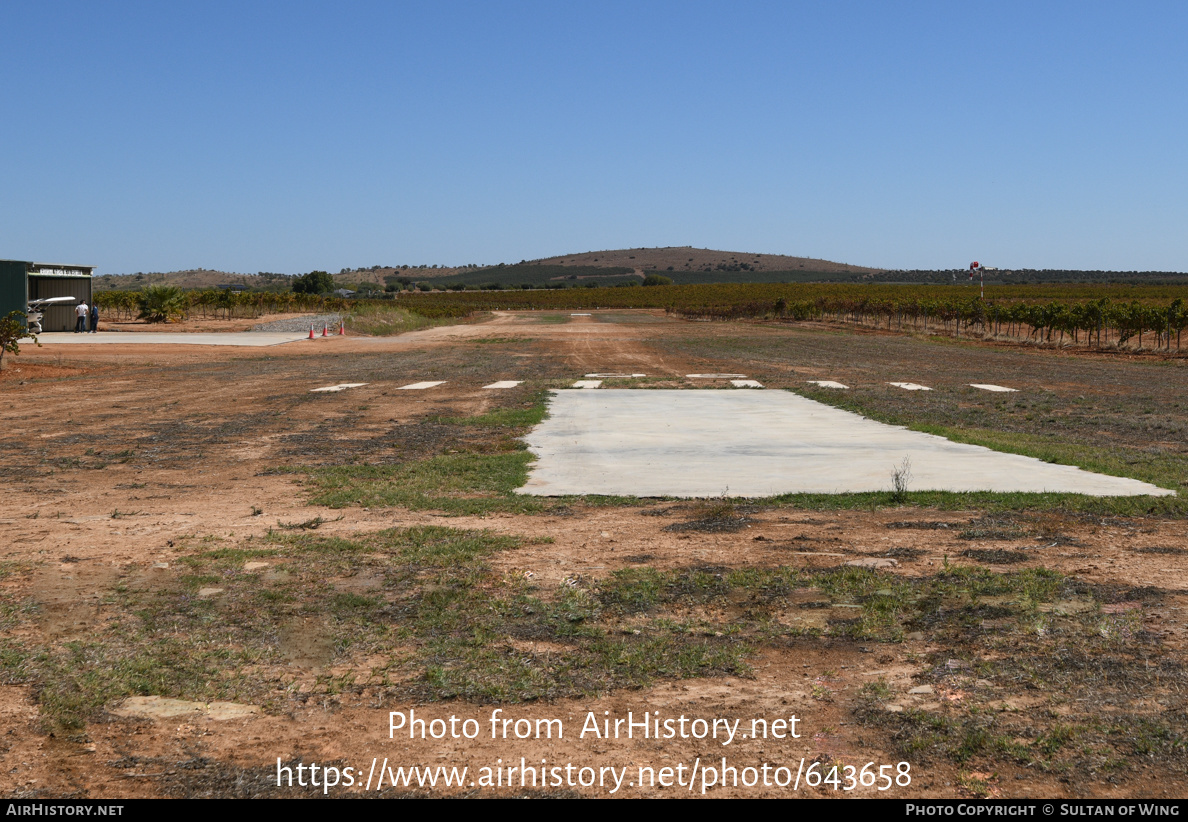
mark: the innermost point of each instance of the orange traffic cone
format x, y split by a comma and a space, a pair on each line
341, 328
325, 330
311, 332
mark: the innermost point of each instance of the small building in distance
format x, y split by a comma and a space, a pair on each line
22, 281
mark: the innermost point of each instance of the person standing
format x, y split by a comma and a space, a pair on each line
80, 312
94, 318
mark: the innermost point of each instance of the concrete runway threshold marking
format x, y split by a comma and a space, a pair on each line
504, 384
910, 386
987, 387
420, 386
746, 383
340, 387
587, 383
716, 376
615, 376
828, 384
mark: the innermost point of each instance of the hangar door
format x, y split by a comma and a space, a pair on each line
59, 317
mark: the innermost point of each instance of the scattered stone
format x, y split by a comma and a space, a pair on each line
209, 592
255, 566
922, 689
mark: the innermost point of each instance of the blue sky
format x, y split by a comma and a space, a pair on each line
293, 136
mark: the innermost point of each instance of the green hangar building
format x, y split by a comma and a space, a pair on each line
22, 281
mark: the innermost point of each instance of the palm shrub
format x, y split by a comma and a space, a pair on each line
161, 303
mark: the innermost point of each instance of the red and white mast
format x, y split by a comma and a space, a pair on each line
976, 266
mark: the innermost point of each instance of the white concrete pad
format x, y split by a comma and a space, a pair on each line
244, 338
504, 384
762, 443
579, 315
159, 707
828, 384
746, 383
987, 387
716, 376
420, 386
329, 389
910, 386
587, 383
616, 376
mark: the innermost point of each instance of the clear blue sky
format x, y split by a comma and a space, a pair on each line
292, 136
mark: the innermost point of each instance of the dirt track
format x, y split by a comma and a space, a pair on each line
131, 462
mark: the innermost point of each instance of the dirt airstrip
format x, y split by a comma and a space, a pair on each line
185, 601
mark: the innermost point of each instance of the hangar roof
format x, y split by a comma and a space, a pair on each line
55, 269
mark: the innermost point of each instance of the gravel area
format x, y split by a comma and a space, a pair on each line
295, 324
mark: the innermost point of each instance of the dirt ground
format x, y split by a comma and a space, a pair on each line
179, 617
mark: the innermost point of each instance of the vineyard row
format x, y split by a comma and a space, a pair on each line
1096, 315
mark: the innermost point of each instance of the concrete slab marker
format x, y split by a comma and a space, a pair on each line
340, 387
158, 707
910, 386
716, 376
587, 383
579, 315
504, 384
696, 443
828, 384
746, 383
987, 387
616, 376
420, 386
235, 338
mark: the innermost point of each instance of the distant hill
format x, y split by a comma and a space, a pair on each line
191, 278
687, 258
681, 264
